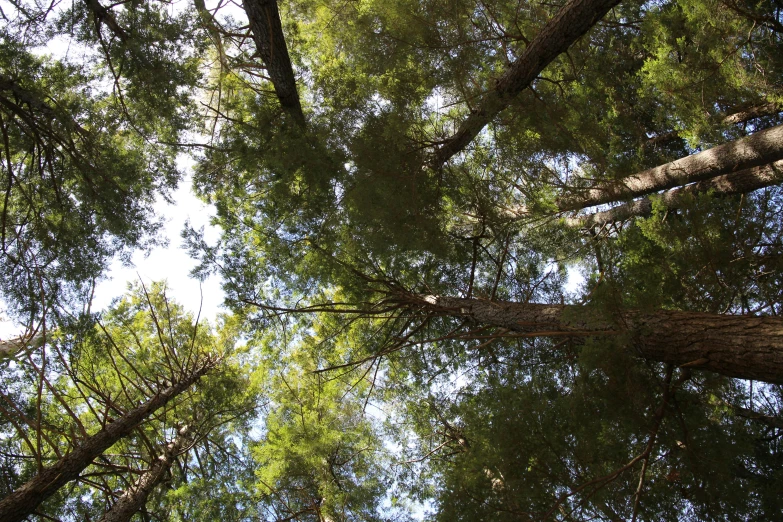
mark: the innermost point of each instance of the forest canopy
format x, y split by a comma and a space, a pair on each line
403, 190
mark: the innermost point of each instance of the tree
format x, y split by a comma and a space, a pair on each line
363, 155
111, 386
133, 499
595, 438
741, 182
571, 22
81, 167
320, 456
758, 149
735, 346
292, 244
268, 36
26, 499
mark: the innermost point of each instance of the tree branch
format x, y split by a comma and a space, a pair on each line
570, 23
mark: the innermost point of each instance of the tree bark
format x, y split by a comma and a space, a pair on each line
24, 501
768, 420
741, 116
134, 498
570, 23
740, 182
738, 346
766, 109
10, 349
103, 16
268, 36
757, 149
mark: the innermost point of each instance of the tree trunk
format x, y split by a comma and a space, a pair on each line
134, 498
741, 116
733, 345
757, 149
766, 109
103, 16
740, 182
570, 23
11, 348
24, 501
770, 421
268, 36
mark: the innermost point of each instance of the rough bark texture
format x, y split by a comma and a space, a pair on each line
134, 498
733, 345
571, 22
268, 36
740, 182
766, 109
24, 501
741, 116
758, 149
103, 16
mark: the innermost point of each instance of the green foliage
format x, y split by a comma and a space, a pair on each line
138, 348
555, 441
332, 230
707, 56
319, 456
716, 255
79, 184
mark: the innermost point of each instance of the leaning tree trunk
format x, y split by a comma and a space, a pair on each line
760, 148
733, 345
740, 182
134, 498
570, 23
741, 116
757, 111
268, 36
24, 501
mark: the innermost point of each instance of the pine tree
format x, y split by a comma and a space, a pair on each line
24, 500
361, 157
133, 499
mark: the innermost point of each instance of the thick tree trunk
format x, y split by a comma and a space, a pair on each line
570, 23
22, 502
132, 500
268, 36
736, 346
11, 348
760, 148
740, 182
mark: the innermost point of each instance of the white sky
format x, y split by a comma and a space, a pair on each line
171, 263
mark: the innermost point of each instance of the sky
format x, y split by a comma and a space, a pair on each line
170, 263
